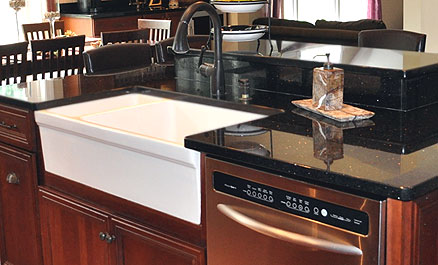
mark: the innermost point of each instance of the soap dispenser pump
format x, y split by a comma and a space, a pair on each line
328, 86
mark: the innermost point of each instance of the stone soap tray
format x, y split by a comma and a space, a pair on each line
347, 113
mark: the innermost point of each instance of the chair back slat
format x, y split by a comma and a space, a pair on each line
158, 29
126, 36
62, 56
41, 31
13, 63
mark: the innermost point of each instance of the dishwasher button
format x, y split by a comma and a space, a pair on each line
324, 212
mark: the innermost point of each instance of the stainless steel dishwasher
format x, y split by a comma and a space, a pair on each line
256, 218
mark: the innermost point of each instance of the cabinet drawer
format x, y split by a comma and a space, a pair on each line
16, 127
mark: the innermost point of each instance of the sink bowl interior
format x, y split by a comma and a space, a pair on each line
170, 120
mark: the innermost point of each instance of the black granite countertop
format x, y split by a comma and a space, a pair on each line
392, 155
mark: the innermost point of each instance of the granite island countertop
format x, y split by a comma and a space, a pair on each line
392, 155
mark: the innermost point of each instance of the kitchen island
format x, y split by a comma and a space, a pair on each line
390, 158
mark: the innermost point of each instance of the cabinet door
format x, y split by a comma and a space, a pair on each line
114, 24
136, 245
71, 232
19, 226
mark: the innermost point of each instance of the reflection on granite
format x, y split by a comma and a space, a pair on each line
50, 92
399, 80
371, 161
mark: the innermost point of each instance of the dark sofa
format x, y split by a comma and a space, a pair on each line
331, 32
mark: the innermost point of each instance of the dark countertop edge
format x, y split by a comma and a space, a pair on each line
120, 13
357, 186
143, 90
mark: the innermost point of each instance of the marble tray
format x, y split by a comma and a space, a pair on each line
347, 113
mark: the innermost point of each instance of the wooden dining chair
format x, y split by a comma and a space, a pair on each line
392, 39
41, 31
59, 28
125, 36
159, 29
13, 62
62, 56
117, 58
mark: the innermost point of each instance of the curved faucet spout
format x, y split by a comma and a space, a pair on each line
181, 45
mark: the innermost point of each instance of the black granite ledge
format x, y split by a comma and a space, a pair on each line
399, 86
118, 13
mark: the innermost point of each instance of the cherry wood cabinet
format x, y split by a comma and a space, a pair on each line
94, 26
19, 225
412, 231
77, 233
139, 245
71, 233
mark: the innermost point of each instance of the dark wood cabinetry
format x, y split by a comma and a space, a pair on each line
71, 232
412, 231
94, 26
138, 245
80, 234
19, 227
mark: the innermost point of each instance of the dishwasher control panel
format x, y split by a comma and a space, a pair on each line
286, 201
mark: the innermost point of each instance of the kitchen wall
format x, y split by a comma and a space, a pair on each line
392, 13
420, 16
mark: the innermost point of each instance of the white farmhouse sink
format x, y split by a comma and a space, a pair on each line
132, 146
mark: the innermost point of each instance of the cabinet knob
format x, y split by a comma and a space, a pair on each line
102, 236
106, 237
12, 178
109, 238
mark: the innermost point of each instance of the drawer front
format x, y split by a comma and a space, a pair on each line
17, 127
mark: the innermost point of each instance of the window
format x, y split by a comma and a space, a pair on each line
31, 13
312, 10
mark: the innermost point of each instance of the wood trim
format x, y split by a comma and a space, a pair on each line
426, 237
134, 212
399, 232
412, 233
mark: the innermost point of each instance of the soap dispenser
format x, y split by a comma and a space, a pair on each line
328, 86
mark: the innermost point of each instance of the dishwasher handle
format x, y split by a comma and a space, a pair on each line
288, 236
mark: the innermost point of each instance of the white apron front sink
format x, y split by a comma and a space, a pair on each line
132, 146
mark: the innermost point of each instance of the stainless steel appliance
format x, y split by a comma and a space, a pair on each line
256, 218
